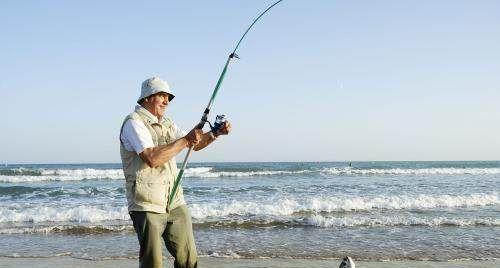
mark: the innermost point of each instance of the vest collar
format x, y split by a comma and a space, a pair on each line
148, 116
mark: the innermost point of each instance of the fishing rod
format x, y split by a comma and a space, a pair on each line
204, 117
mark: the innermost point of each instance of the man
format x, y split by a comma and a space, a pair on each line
148, 145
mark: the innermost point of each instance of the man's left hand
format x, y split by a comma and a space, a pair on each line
224, 130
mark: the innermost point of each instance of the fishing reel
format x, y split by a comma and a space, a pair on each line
218, 123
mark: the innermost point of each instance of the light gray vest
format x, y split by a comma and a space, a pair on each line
148, 188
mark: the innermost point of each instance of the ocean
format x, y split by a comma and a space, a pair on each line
316, 210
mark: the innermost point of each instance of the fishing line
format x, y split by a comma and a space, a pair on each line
204, 117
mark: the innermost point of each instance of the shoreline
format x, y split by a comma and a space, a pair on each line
66, 261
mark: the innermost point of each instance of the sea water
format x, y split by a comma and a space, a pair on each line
368, 210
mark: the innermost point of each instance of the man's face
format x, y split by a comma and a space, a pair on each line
157, 104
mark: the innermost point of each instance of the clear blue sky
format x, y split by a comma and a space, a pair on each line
317, 80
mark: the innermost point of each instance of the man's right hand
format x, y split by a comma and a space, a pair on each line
194, 137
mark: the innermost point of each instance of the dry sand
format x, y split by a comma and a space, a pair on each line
68, 262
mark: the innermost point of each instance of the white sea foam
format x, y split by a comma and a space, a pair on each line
84, 173
288, 206
197, 172
422, 201
17, 179
411, 171
115, 174
75, 229
270, 207
207, 172
328, 221
65, 175
228, 254
82, 213
284, 207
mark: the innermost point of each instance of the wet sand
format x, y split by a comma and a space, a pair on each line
68, 262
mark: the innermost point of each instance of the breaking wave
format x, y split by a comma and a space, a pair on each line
68, 229
207, 172
337, 204
319, 221
266, 208
61, 175
411, 171
20, 172
365, 221
79, 214
37, 175
349, 221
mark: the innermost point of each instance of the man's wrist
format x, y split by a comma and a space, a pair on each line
186, 142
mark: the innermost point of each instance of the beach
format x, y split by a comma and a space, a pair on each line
68, 262
366, 129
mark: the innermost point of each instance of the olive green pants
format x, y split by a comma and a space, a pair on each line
176, 230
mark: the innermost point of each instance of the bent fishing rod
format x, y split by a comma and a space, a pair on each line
204, 117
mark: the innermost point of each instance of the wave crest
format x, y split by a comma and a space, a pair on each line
78, 214
411, 171
37, 175
68, 229
287, 206
328, 222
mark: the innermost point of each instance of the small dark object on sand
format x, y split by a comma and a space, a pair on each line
347, 262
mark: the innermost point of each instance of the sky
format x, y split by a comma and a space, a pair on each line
317, 80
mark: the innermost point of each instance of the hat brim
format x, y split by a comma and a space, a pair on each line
170, 96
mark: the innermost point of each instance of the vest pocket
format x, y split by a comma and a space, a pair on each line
147, 192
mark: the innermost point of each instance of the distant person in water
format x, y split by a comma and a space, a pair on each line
149, 143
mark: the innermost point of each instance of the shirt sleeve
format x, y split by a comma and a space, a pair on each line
178, 132
135, 136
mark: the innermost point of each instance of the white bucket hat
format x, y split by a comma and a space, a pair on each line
155, 85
